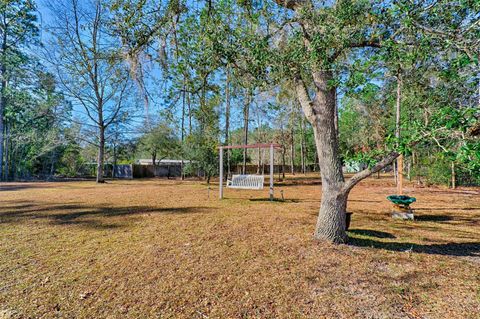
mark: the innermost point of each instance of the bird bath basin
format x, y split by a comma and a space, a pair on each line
401, 200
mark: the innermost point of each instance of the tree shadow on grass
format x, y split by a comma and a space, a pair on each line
433, 218
277, 200
371, 233
297, 183
6, 187
364, 201
471, 249
447, 208
84, 215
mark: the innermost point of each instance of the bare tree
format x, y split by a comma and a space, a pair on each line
89, 66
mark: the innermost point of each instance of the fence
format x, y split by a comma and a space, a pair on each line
162, 170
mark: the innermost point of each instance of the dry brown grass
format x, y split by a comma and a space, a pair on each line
163, 249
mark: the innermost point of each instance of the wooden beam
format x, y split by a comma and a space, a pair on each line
261, 145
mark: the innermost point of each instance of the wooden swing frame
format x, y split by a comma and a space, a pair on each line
271, 146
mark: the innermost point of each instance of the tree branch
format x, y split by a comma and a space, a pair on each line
362, 44
304, 99
350, 183
291, 4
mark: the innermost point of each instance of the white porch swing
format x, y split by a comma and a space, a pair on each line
247, 181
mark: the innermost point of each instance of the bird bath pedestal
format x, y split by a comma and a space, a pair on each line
401, 206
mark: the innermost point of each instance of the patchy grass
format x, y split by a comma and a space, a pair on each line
164, 249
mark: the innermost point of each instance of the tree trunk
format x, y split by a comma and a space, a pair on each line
336, 113
13, 166
331, 218
154, 159
2, 128
292, 152
3, 99
227, 119
189, 105
321, 114
52, 163
7, 152
101, 155
182, 135
303, 145
292, 139
114, 160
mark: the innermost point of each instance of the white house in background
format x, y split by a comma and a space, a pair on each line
353, 167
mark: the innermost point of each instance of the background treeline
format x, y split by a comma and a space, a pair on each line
84, 83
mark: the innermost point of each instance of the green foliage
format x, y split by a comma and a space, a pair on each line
71, 162
236, 157
159, 143
431, 47
203, 155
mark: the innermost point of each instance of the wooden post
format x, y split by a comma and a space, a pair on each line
271, 172
400, 175
221, 174
453, 176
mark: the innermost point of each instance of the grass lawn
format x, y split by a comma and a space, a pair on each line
164, 249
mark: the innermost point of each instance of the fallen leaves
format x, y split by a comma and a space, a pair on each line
153, 248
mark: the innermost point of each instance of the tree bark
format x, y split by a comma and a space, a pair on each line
331, 218
336, 113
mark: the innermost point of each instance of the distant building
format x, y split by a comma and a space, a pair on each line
163, 162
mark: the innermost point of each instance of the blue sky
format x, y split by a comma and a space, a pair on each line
157, 109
